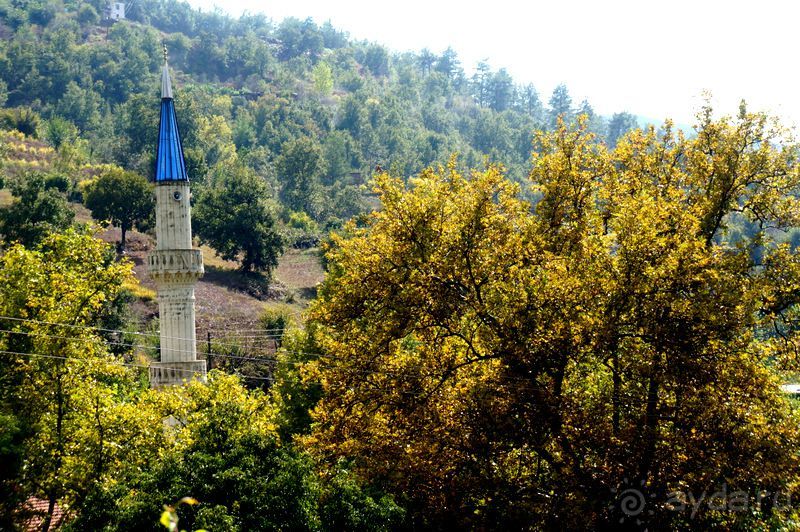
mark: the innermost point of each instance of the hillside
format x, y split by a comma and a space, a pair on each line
255, 88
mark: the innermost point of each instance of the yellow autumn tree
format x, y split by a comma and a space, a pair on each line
501, 363
70, 397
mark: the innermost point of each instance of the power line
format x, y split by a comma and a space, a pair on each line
116, 331
124, 344
317, 356
115, 363
629, 399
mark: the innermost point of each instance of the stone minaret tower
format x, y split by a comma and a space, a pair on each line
174, 265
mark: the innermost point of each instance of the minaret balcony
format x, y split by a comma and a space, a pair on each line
175, 264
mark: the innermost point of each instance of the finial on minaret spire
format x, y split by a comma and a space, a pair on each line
166, 83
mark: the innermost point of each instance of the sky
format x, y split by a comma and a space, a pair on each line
652, 58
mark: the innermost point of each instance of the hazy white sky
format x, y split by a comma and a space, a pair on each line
652, 58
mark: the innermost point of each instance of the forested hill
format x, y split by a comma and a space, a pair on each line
304, 106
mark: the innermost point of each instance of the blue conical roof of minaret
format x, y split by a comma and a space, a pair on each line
170, 165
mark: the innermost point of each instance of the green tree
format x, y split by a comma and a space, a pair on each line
501, 91
87, 15
122, 198
376, 59
449, 65
233, 215
560, 106
299, 38
80, 106
23, 119
341, 155
529, 103
59, 131
11, 457
35, 212
3, 93
323, 78
620, 124
299, 168
426, 60
228, 455
56, 376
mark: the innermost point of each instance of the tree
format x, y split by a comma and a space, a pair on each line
449, 64
299, 38
23, 119
80, 106
87, 15
234, 216
11, 456
36, 211
620, 124
481, 83
227, 454
299, 167
585, 108
560, 105
59, 131
425, 60
339, 152
323, 78
529, 102
501, 90
122, 198
56, 376
376, 59
516, 366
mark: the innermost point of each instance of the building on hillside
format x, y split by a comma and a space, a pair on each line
174, 265
115, 11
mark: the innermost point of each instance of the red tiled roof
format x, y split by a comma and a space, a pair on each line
35, 509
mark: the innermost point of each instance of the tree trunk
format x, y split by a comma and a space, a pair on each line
124, 230
617, 382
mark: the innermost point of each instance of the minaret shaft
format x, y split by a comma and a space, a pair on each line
174, 265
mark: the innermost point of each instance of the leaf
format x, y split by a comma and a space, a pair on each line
166, 519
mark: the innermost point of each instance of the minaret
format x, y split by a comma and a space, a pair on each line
174, 265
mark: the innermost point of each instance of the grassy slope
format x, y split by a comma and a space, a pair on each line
224, 304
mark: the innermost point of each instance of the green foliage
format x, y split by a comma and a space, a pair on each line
299, 167
376, 59
122, 198
58, 182
299, 38
36, 212
22, 119
11, 455
80, 106
87, 15
226, 453
294, 395
234, 216
348, 506
323, 78
241, 85
492, 360
63, 388
620, 124
59, 131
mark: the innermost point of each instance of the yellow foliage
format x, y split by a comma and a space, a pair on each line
471, 339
